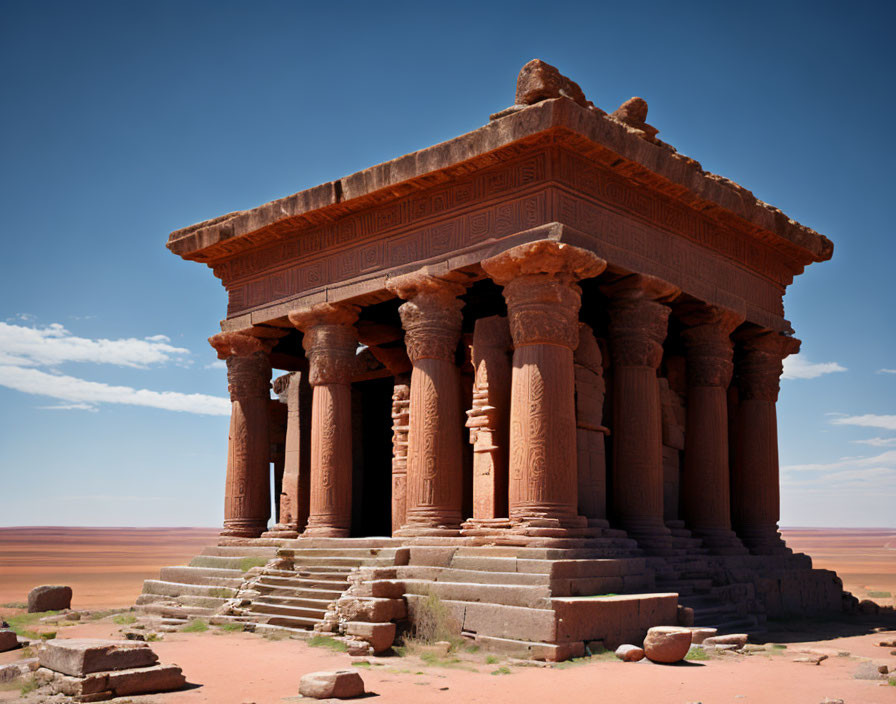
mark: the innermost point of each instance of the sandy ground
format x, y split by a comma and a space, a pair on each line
106, 568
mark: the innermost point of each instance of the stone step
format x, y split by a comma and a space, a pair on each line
527, 650
321, 543
202, 575
261, 607
336, 574
295, 601
158, 586
206, 602
452, 574
299, 583
475, 592
330, 594
163, 610
387, 553
240, 551
297, 622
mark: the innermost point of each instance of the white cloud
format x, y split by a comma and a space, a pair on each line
217, 364
869, 420
878, 442
796, 367
52, 345
69, 407
875, 474
886, 371
81, 392
885, 459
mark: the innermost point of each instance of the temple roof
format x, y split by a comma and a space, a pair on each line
622, 143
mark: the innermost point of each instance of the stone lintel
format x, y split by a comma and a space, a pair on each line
607, 141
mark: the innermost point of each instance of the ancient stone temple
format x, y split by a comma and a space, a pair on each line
523, 368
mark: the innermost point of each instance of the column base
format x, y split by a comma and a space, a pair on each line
411, 530
281, 531
325, 532
720, 541
574, 527
243, 529
763, 541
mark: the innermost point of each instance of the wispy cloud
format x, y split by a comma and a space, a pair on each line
869, 420
217, 364
886, 371
52, 345
80, 392
878, 442
847, 474
885, 459
797, 367
69, 407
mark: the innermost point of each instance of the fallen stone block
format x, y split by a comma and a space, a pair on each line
667, 644
700, 634
82, 656
338, 684
738, 639
49, 598
811, 659
379, 635
8, 641
629, 653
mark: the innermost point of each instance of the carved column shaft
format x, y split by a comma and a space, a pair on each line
401, 401
705, 480
543, 303
247, 494
755, 492
431, 319
330, 343
488, 419
638, 324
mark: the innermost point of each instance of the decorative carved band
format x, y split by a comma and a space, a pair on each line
760, 363
330, 341
543, 299
431, 315
638, 321
709, 346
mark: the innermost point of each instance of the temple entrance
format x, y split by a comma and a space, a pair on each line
371, 457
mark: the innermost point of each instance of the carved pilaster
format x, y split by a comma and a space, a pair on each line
590, 431
755, 492
638, 323
330, 343
401, 402
543, 302
247, 499
431, 319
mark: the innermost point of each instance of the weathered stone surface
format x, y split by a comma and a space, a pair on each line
540, 81
868, 671
379, 635
160, 678
49, 598
738, 639
667, 644
373, 609
338, 684
8, 640
82, 656
700, 634
630, 653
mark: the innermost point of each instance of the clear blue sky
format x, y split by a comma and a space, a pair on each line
122, 121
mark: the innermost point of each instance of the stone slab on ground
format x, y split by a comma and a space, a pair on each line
8, 640
82, 656
338, 684
120, 683
49, 597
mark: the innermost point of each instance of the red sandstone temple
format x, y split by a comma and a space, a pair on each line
532, 370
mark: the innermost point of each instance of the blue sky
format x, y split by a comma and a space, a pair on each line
122, 121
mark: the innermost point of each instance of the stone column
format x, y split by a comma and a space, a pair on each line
295, 393
247, 493
488, 419
330, 343
590, 431
431, 319
638, 323
401, 401
705, 480
543, 303
755, 493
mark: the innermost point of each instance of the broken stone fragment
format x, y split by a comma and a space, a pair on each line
737, 639
667, 644
338, 684
49, 598
633, 112
540, 81
82, 656
8, 640
629, 653
379, 635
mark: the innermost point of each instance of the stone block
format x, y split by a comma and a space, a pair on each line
8, 640
49, 598
82, 656
371, 609
737, 639
701, 633
514, 622
379, 635
338, 684
160, 678
667, 644
380, 589
629, 653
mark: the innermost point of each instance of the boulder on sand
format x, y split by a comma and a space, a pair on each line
629, 653
338, 684
49, 598
667, 644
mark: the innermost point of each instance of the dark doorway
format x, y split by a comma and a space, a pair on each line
372, 457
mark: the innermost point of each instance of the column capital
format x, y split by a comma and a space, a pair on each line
639, 319
430, 315
248, 363
761, 362
709, 345
330, 341
241, 343
543, 298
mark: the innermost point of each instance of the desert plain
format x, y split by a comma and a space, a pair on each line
106, 567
